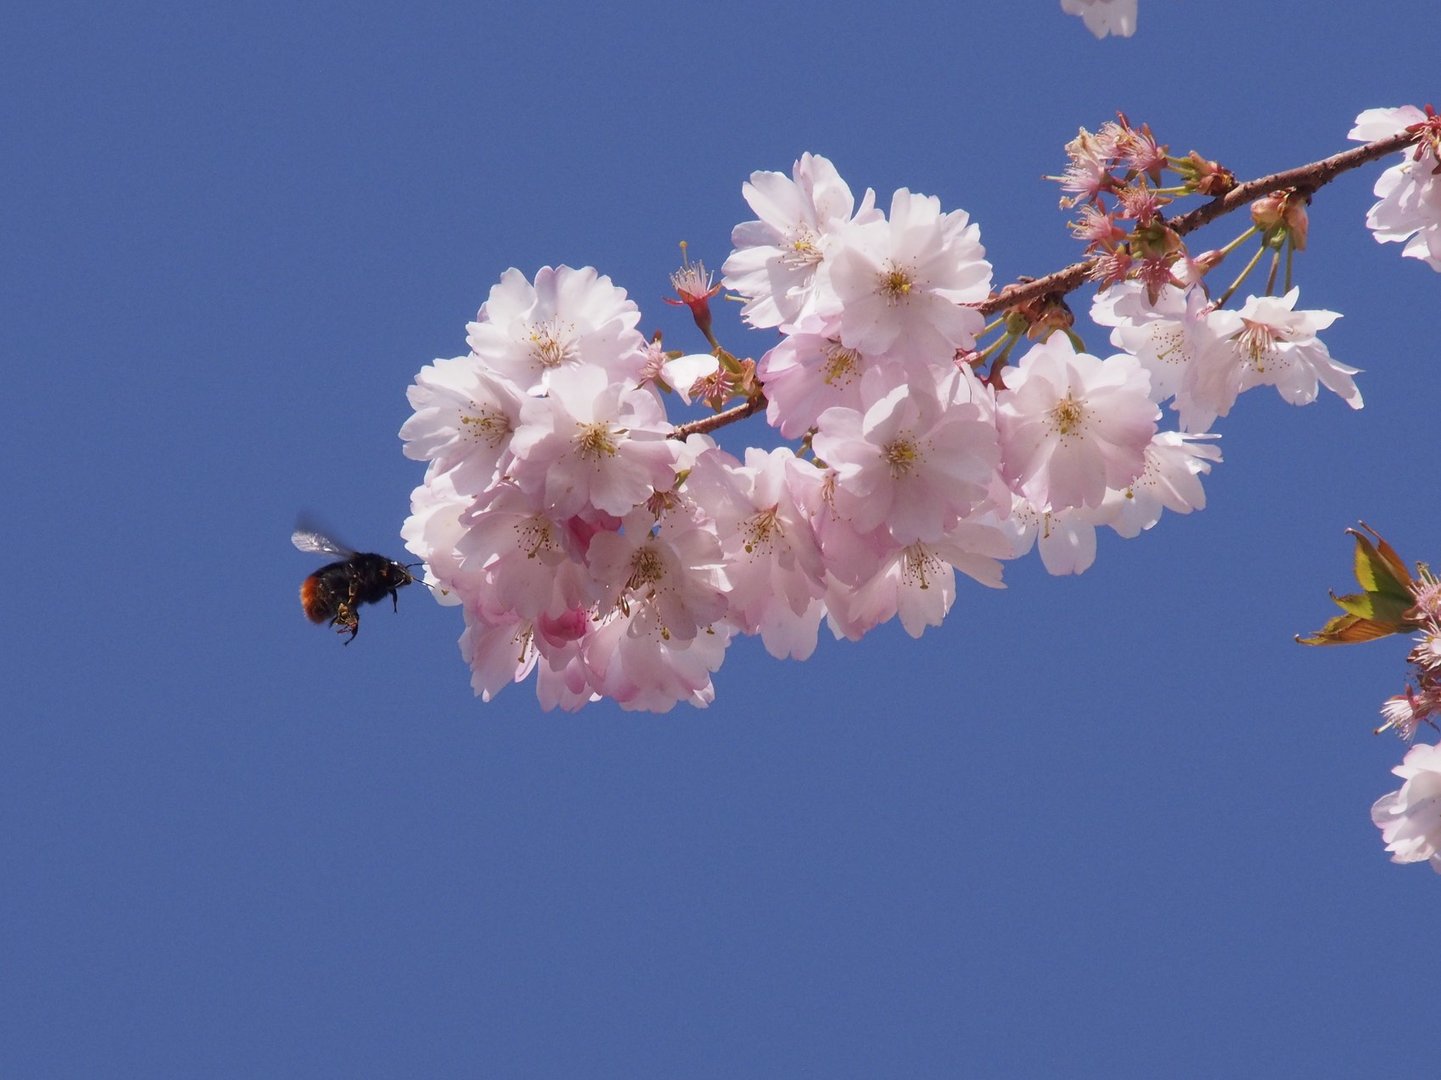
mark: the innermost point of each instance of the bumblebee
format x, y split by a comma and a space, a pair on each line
337, 589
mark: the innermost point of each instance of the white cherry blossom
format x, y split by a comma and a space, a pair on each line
1410, 192
1162, 334
1103, 17
1265, 343
1171, 480
1410, 819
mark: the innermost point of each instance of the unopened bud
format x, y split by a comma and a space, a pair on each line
1205, 177
1282, 215
1038, 317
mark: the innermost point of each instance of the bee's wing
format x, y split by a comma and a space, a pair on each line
308, 540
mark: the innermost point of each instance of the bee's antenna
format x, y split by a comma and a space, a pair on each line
422, 581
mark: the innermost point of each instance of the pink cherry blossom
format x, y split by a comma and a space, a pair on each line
431, 531
566, 319
592, 443
498, 649
631, 659
675, 573
918, 583
1065, 539
773, 566
902, 282
518, 559
909, 461
806, 374
1072, 425
779, 262
464, 418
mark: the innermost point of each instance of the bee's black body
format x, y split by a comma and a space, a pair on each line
337, 589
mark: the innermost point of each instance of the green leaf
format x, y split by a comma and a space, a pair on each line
1348, 630
1380, 570
1382, 609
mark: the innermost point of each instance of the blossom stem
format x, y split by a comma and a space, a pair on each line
1256, 258
1234, 244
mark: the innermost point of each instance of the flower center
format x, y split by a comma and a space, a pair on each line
919, 565
535, 536
594, 441
1258, 343
802, 251
1170, 345
841, 364
1068, 415
490, 426
646, 568
896, 285
762, 530
901, 455
549, 345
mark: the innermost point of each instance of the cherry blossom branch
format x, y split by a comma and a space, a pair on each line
1305, 178
707, 424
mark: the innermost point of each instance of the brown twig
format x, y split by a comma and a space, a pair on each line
720, 420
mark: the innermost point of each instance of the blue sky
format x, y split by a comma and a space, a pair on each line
1114, 825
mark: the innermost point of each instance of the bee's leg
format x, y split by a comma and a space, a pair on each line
346, 619
394, 601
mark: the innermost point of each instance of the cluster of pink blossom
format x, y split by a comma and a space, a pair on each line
590, 543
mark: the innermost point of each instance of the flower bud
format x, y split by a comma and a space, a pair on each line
1205, 177
1281, 216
